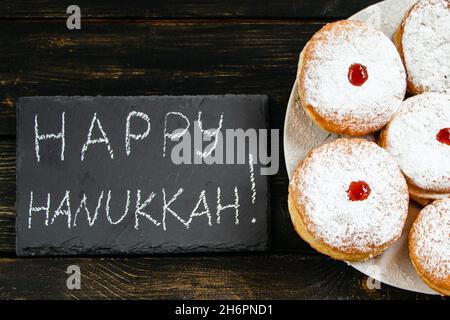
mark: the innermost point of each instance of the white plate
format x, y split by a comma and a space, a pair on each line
393, 267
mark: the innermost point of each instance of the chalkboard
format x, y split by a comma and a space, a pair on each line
146, 174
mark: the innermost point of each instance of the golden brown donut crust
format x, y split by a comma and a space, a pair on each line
418, 194
318, 120
298, 217
439, 285
397, 39
300, 222
322, 122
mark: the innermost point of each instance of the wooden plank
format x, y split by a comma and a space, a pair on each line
195, 277
7, 230
144, 58
186, 9
283, 236
7, 195
7, 175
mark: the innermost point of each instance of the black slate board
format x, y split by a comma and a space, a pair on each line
108, 175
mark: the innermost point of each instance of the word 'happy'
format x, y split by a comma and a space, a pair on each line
213, 153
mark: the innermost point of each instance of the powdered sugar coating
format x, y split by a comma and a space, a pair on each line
430, 238
323, 77
426, 45
320, 185
411, 140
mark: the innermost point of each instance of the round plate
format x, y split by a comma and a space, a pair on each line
394, 266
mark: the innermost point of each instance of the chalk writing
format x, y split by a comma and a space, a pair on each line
221, 207
64, 208
209, 133
104, 139
194, 213
37, 209
38, 137
140, 136
178, 133
65, 202
140, 207
127, 205
83, 205
252, 177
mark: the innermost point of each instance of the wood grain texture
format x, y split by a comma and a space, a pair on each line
144, 58
194, 277
7, 196
186, 9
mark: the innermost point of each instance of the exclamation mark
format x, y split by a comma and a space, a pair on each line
252, 177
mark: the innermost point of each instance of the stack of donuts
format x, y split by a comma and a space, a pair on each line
349, 198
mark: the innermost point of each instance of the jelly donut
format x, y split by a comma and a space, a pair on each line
429, 245
348, 199
351, 79
418, 137
423, 40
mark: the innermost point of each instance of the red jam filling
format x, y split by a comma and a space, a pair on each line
357, 74
444, 136
358, 191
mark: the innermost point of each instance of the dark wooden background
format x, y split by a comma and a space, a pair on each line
167, 47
